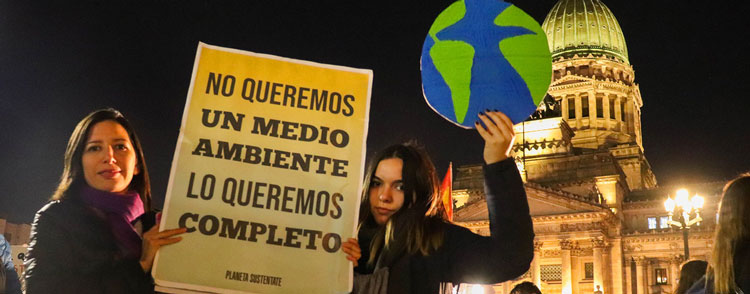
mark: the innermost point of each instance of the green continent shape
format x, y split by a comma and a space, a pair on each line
453, 59
528, 54
448, 17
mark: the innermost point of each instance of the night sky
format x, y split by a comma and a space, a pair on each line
60, 61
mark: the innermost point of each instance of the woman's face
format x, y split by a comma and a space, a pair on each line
109, 160
386, 190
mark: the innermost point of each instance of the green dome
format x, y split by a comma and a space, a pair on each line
582, 27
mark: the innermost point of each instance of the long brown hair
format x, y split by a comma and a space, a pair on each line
418, 226
733, 228
71, 180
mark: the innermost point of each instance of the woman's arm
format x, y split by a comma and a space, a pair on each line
508, 251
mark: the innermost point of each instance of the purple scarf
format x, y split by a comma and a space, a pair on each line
121, 210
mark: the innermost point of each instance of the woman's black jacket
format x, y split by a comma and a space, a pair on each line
73, 250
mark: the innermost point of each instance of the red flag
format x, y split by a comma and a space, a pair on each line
446, 189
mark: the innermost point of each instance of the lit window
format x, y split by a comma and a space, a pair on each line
664, 222
651, 223
661, 276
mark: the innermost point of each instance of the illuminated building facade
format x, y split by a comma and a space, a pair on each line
598, 213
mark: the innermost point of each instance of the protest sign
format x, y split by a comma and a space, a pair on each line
266, 175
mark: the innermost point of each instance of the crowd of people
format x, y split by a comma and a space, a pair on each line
99, 234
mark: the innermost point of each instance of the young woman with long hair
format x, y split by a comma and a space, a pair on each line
88, 238
729, 266
405, 245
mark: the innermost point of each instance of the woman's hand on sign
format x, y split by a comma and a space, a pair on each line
498, 135
153, 240
351, 248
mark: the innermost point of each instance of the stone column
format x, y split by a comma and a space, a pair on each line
579, 110
637, 124
575, 270
607, 118
650, 278
628, 277
629, 106
598, 245
618, 113
592, 109
615, 262
640, 280
564, 106
567, 278
607, 271
536, 276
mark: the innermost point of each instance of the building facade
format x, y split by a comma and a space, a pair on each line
598, 213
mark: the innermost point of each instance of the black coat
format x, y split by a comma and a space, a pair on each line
466, 257
742, 266
73, 250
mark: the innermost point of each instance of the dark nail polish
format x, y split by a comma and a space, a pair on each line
481, 113
495, 110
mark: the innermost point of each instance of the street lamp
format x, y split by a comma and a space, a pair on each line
688, 212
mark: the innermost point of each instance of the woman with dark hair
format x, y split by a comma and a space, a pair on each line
690, 272
528, 288
87, 239
407, 246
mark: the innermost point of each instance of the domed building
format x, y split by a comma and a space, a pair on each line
598, 213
